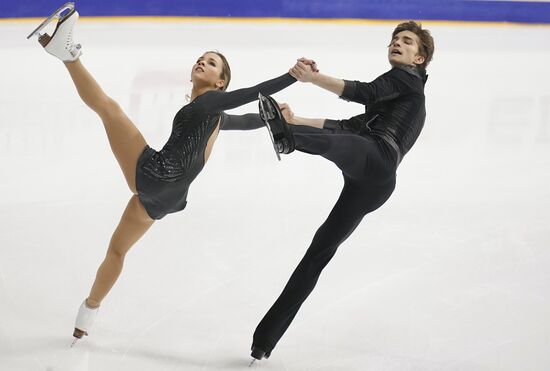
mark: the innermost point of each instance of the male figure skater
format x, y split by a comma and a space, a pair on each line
367, 148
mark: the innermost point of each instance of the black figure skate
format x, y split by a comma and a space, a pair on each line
281, 136
258, 354
60, 44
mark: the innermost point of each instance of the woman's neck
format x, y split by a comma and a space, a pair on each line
200, 91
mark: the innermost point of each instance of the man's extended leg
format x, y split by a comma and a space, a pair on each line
355, 155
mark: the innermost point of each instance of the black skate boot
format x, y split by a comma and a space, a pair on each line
258, 353
281, 136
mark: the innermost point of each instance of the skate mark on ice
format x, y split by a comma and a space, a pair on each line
218, 340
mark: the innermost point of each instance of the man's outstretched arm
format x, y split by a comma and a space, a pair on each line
353, 125
305, 70
287, 113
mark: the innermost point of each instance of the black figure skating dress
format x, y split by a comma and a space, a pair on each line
163, 177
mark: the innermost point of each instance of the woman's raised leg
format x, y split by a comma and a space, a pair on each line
125, 139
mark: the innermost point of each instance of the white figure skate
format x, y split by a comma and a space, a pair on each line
60, 44
84, 321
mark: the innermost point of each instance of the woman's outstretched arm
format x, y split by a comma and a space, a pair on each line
249, 121
218, 101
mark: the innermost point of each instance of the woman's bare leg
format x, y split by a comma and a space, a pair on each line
134, 223
125, 139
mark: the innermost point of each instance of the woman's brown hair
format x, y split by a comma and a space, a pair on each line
226, 70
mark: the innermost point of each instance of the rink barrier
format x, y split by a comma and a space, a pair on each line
169, 19
537, 12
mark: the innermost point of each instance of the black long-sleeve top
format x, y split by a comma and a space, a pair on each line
394, 107
249, 121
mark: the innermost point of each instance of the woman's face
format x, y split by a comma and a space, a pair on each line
207, 71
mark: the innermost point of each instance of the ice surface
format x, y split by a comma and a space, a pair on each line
451, 274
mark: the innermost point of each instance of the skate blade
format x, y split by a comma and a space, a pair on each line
267, 114
252, 362
273, 141
262, 109
67, 6
78, 334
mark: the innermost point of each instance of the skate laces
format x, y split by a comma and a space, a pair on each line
70, 46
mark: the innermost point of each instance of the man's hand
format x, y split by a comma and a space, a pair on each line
289, 117
287, 113
304, 70
309, 62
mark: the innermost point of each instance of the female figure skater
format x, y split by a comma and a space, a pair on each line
367, 148
159, 180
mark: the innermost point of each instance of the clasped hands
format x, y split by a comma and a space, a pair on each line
304, 70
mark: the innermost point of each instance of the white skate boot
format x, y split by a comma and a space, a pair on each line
84, 321
60, 44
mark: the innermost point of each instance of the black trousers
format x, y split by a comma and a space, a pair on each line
368, 166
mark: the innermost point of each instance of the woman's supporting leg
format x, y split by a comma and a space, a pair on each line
134, 223
124, 137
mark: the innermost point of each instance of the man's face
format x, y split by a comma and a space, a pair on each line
403, 49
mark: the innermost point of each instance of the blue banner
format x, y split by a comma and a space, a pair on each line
496, 11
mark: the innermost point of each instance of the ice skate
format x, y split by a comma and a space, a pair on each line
281, 136
60, 44
84, 321
258, 354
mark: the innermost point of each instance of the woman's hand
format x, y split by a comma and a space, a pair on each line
304, 70
309, 62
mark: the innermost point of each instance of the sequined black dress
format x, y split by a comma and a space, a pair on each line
163, 177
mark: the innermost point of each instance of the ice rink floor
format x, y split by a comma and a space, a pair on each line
452, 273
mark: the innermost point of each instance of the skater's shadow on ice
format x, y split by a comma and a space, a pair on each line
55, 354
30, 345
213, 362
49, 353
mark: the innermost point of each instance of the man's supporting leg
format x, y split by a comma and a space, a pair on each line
342, 221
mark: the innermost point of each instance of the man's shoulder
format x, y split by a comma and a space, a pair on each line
411, 76
404, 72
